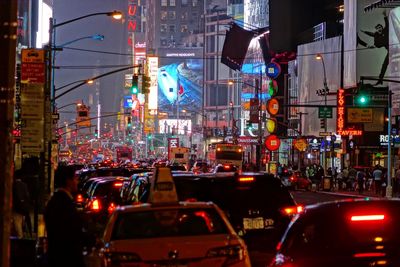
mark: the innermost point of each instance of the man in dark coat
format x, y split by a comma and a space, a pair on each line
64, 225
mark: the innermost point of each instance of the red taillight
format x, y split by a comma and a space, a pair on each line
79, 198
246, 179
111, 208
290, 211
192, 199
95, 205
118, 184
369, 255
373, 217
291, 178
226, 167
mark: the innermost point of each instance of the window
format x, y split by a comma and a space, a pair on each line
184, 3
171, 28
172, 2
163, 28
184, 15
164, 2
194, 3
164, 15
171, 15
163, 42
184, 28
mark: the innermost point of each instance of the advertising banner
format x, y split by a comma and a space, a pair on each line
372, 42
152, 64
180, 79
394, 57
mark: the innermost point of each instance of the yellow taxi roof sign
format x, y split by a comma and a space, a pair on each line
163, 188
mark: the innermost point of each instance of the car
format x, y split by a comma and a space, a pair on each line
296, 180
200, 167
353, 232
225, 168
166, 232
258, 205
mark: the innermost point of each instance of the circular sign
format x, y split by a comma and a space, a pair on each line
333, 138
300, 144
273, 70
273, 106
271, 125
272, 142
272, 87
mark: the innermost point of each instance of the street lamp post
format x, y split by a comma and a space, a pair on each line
325, 94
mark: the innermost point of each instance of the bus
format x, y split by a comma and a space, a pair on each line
226, 153
123, 153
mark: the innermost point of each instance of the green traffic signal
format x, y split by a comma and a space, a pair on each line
135, 87
362, 100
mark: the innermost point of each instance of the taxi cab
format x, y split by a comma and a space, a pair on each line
165, 232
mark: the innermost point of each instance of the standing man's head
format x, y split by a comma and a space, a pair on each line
65, 178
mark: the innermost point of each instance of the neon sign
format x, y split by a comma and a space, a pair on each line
341, 113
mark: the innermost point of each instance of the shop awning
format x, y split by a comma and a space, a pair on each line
382, 4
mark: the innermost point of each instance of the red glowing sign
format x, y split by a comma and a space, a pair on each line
341, 113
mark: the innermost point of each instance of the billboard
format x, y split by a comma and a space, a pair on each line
394, 57
171, 125
372, 42
152, 64
180, 79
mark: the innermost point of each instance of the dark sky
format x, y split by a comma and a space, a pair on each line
115, 41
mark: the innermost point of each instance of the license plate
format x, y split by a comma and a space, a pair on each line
257, 223
253, 223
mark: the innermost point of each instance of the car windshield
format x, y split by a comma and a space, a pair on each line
168, 223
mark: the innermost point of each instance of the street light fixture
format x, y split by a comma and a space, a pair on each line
88, 81
325, 94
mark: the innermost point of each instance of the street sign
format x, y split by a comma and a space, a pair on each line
32, 56
32, 137
325, 133
273, 70
32, 73
300, 144
272, 142
65, 153
324, 112
357, 115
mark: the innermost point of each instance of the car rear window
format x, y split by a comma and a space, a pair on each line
311, 233
228, 193
168, 223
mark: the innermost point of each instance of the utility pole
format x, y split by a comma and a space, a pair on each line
300, 132
8, 33
258, 147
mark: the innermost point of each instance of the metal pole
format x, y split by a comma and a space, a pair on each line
8, 35
217, 74
258, 146
389, 147
326, 89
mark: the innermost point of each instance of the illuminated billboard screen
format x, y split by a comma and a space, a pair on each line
170, 126
180, 79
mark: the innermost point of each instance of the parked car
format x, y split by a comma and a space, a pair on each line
360, 232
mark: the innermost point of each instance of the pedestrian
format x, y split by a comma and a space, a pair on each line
352, 179
360, 181
377, 174
64, 225
397, 182
21, 205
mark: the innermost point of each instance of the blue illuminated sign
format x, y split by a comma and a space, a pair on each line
273, 70
127, 101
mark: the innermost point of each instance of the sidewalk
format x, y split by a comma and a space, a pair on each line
344, 192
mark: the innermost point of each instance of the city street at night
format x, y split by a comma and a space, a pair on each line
191, 133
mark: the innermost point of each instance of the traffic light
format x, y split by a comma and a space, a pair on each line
96, 133
362, 99
129, 122
149, 137
145, 86
135, 82
323, 123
